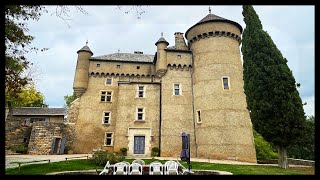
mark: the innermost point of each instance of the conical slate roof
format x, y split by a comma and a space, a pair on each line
162, 40
214, 18
211, 17
85, 48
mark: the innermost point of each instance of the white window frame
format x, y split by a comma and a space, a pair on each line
198, 116
144, 91
143, 114
105, 99
229, 84
104, 116
105, 138
106, 82
180, 89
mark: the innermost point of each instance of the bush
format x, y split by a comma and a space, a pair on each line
100, 158
19, 148
264, 150
155, 151
124, 151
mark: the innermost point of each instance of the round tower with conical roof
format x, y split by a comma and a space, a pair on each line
80, 83
161, 64
223, 125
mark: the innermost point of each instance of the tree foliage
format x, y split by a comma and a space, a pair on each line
17, 44
304, 147
28, 96
274, 103
69, 99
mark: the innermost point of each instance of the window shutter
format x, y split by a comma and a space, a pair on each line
52, 146
62, 145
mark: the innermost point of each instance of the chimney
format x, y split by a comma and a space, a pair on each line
138, 52
180, 44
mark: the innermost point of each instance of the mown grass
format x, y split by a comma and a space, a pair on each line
84, 164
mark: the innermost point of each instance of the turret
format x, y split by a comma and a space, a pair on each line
81, 77
161, 64
180, 44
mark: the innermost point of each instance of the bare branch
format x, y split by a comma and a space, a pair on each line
63, 13
136, 8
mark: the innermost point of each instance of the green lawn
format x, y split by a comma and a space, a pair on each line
84, 164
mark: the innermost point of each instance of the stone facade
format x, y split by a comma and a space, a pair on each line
195, 88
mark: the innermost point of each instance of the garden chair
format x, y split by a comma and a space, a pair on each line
105, 169
139, 161
120, 168
135, 169
171, 167
156, 168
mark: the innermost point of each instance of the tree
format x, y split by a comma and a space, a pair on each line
29, 96
69, 99
304, 147
274, 103
17, 44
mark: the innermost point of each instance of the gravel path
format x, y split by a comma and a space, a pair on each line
53, 158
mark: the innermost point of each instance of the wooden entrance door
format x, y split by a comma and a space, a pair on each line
139, 143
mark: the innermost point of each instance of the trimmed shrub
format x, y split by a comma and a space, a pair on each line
124, 151
155, 151
264, 150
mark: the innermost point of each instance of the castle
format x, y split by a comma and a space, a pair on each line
138, 101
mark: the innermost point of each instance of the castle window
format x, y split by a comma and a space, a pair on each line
140, 114
106, 117
177, 89
106, 96
118, 66
108, 139
198, 116
138, 67
98, 65
179, 56
109, 81
141, 91
225, 81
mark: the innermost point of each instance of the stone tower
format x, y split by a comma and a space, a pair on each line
161, 64
223, 128
81, 77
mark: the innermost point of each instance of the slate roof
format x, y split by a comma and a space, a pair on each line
171, 47
85, 48
126, 57
214, 18
161, 39
211, 17
39, 111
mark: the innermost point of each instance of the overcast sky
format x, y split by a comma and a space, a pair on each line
109, 29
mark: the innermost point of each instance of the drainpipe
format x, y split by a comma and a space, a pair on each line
160, 118
194, 121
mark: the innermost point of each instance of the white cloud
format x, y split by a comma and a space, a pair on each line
309, 108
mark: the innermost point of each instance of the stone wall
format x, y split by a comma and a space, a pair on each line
41, 137
16, 132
